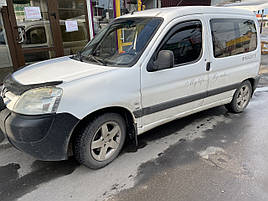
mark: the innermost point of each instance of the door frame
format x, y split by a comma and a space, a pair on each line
14, 48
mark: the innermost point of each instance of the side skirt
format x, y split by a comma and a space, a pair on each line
184, 114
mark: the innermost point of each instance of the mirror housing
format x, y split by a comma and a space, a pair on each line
165, 60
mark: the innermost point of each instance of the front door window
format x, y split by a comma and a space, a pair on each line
185, 43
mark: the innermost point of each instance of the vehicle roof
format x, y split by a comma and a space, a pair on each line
174, 12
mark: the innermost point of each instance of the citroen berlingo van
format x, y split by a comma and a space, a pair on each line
144, 69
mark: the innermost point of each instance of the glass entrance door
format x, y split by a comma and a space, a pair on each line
44, 29
34, 26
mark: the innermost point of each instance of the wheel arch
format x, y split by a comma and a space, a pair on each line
125, 113
254, 82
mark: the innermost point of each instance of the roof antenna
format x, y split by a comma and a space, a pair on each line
179, 2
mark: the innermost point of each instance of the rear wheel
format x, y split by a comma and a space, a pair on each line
101, 141
241, 98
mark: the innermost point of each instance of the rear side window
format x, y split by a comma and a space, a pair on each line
233, 36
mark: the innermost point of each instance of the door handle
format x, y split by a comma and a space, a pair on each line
208, 66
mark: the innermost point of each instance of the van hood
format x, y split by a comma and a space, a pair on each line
60, 69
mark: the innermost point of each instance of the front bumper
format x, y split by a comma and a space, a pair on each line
45, 137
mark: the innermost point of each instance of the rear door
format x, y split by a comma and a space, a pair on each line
233, 55
169, 93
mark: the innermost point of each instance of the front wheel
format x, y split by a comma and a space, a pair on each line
101, 141
241, 98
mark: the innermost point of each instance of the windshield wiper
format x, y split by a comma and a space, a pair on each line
91, 57
78, 56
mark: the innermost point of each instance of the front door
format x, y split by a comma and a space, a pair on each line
169, 93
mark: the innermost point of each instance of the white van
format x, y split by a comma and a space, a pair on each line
141, 71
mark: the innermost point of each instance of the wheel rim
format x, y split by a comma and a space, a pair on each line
106, 141
243, 97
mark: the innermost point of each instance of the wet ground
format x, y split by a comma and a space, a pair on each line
227, 162
211, 155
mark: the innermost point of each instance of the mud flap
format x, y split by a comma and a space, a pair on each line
133, 137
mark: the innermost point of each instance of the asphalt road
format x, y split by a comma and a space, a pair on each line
212, 155
227, 162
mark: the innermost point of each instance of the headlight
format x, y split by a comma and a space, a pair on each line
38, 101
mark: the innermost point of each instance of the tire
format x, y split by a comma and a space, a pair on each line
241, 98
101, 141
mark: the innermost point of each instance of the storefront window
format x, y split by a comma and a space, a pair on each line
103, 12
79, 35
73, 25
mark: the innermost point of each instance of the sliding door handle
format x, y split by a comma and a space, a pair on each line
208, 66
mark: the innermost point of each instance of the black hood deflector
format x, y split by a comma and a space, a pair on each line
10, 84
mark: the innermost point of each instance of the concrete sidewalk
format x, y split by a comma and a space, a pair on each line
4, 72
264, 69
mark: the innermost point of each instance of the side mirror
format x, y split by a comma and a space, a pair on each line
165, 60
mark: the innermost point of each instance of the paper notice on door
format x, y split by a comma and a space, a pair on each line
32, 13
71, 25
3, 3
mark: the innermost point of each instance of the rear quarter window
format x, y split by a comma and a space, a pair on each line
233, 36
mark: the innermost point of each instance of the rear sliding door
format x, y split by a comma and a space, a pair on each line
233, 55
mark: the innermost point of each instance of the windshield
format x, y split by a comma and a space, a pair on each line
122, 42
